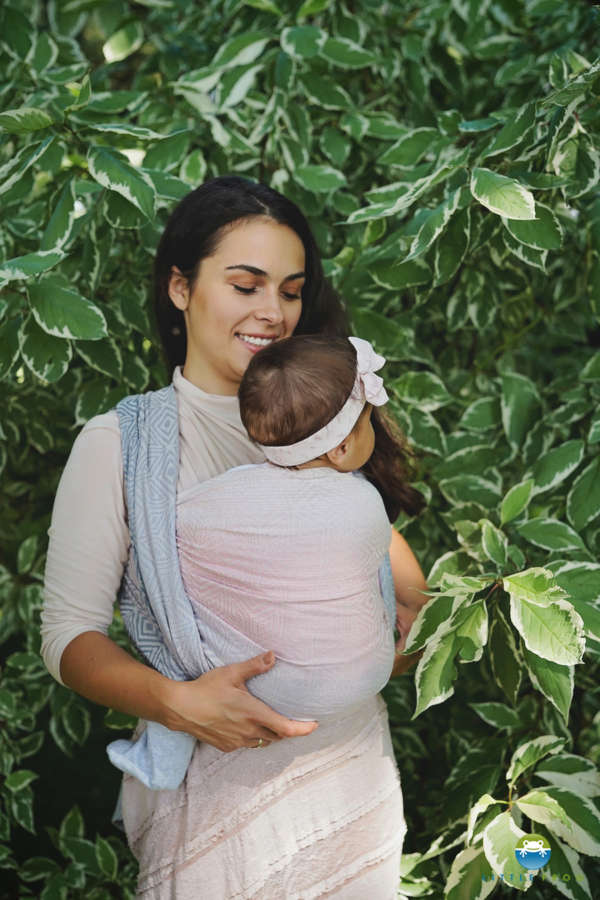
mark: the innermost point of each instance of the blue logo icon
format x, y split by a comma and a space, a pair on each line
533, 851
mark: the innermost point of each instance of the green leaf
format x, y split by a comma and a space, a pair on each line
264, 6
476, 125
422, 389
9, 344
60, 226
241, 50
126, 130
235, 85
335, 145
564, 870
470, 489
433, 226
193, 168
83, 852
77, 721
21, 807
432, 621
581, 582
529, 753
120, 213
574, 773
22, 267
551, 679
320, 179
542, 233
72, 824
520, 404
123, 42
451, 250
325, 93
104, 355
470, 876
107, 858
583, 500
513, 132
425, 432
499, 839
19, 779
482, 414
14, 170
400, 275
112, 172
498, 715
37, 867
24, 120
409, 149
550, 627
65, 313
311, 8
550, 534
472, 631
574, 819
494, 543
556, 465
505, 657
48, 357
303, 41
26, 554
436, 673
516, 501
502, 195
346, 54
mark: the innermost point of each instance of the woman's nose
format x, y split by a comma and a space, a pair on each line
270, 306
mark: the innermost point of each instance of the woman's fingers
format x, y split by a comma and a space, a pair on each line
218, 708
278, 725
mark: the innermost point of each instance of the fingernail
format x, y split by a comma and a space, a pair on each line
268, 658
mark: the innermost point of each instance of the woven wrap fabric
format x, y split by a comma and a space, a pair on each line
153, 603
155, 608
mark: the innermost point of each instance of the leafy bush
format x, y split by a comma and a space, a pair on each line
446, 154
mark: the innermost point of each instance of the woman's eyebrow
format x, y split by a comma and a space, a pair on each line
256, 271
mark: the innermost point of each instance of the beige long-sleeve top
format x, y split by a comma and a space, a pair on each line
89, 536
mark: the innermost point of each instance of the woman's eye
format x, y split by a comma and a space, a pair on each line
244, 290
251, 290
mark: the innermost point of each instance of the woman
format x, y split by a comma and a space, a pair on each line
236, 268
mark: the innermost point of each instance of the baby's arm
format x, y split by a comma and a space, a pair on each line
409, 582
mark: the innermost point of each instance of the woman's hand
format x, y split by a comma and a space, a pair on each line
217, 708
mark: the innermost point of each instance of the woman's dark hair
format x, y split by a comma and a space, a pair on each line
295, 386
193, 232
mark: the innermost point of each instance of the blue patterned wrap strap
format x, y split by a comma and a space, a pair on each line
154, 606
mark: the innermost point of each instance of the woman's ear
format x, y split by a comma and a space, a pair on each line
178, 288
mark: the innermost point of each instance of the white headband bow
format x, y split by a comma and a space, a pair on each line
367, 387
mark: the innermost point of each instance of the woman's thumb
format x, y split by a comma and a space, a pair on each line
254, 666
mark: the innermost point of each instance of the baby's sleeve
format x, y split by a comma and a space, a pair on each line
88, 541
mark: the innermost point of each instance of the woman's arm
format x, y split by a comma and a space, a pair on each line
409, 583
87, 552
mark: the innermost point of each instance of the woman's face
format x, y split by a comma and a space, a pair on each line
250, 287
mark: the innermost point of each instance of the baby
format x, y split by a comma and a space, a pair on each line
291, 555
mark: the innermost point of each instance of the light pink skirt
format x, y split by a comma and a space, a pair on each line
320, 816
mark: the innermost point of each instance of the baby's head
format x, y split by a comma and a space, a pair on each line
295, 387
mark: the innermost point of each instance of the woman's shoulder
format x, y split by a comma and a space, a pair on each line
108, 421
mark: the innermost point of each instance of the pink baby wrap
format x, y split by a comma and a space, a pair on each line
290, 559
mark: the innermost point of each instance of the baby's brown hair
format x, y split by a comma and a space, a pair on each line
295, 386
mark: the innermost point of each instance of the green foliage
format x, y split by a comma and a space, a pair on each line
447, 157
